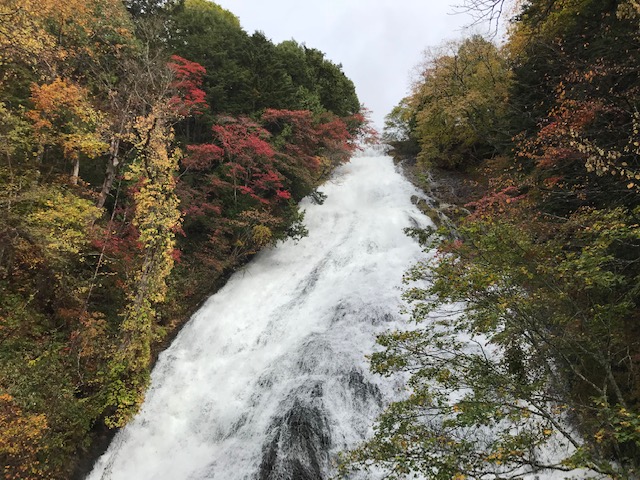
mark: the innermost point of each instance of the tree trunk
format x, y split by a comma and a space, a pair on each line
110, 175
76, 171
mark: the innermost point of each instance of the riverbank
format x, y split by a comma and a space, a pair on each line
448, 192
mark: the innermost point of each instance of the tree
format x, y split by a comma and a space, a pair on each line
307, 145
157, 217
20, 433
49, 33
63, 116
460, 103
399, 128
337, 93
293, 59
189, 98
206, 33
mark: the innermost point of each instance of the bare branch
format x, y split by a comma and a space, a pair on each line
483, 11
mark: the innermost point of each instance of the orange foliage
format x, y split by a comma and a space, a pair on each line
63, 115
553, 145
42, 31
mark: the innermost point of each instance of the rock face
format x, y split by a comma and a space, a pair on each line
300, 440
446, 192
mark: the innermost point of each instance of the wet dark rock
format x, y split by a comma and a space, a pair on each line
299, 445
363, 390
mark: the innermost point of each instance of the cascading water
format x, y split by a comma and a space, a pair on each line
269, 379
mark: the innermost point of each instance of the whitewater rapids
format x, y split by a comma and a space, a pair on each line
269, 378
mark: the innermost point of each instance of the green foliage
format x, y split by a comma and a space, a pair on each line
59, 221
15, 134
399, 128
397, 125
294, 61
516, 338
337, 93
46, 232
212, 36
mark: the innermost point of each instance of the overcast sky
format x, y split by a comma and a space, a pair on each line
378, 42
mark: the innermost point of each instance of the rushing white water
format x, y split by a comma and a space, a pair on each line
269, 379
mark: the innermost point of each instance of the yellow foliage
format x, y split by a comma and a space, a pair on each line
604, 161
629, 9
33, 31
157, 217
60, 221
21, 436
262, 235
22, 35
63, 115
460, 100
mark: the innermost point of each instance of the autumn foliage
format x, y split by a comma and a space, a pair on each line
141, 161
544, 350
21, 441
189, 98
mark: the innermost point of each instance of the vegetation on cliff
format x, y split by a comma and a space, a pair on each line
147, 148
532, 361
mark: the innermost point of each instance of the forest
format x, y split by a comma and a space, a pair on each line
147, 149
535, 291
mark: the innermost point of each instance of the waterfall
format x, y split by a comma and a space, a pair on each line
269, 379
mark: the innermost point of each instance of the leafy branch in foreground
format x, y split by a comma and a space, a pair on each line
519, 362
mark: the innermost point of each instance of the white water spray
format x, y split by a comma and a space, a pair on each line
269, 379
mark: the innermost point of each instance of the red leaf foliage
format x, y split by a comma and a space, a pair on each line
190, 98
203, 156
